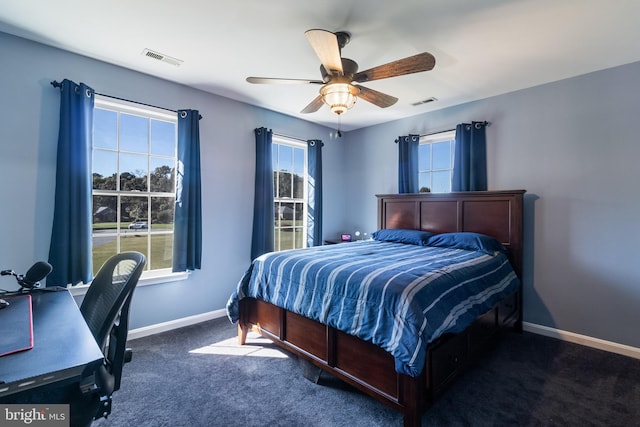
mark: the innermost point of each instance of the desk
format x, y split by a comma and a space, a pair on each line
64, 349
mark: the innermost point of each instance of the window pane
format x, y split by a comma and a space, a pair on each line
424, 180
299, 214
162, 176
162, 213
287, 220
105, 214
286, 238
163, 138
134, 133
298, 186
161, 250
274, 156
298, 161
104, 247
105, 167
135, 242
441, 155
285, 158
441, 182
133, 172
105, 129
284, 185
276, 239
285, 214
276, 190
132, 209
298, 235
424, 157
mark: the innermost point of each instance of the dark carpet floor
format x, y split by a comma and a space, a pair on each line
198, 376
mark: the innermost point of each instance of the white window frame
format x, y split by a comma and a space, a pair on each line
282, 140
431, 139
148, 277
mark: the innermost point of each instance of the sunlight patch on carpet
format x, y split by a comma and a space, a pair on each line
256, 346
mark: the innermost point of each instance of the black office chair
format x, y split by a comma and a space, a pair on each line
105, 308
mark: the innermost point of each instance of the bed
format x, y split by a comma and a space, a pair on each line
384, 348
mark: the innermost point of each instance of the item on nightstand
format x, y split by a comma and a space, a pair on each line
345, 237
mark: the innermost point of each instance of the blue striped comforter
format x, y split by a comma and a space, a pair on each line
398, 296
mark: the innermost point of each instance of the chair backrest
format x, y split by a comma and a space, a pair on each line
111, 288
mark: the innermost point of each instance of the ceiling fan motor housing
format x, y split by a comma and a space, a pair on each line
349, 68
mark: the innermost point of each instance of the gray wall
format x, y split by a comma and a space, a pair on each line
570, 144
574, 146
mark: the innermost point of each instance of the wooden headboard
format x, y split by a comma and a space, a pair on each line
494, 213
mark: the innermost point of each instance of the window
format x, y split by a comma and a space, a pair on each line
435, 159
133, 170
290, 188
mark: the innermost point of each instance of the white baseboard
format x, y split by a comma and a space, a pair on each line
585, 340
175, 324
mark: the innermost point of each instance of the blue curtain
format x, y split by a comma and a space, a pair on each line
70, 248
314, 196
263, 209
470, 158
408, 163
187, 237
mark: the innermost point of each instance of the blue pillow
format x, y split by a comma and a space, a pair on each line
468, 241
399, 235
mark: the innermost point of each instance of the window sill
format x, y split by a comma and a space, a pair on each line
147, 279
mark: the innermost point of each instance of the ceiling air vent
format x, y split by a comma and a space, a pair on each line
161, 57
424, 101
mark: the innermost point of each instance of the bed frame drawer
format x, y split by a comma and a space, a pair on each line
446, 360
306, 334
349, 360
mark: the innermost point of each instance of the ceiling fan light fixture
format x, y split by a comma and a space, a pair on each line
339, 96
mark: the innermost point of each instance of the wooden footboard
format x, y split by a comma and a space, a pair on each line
367, 366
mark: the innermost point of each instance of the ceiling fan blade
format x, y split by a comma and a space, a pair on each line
325, 44
313, 105
272, 80
380, 99
413, 64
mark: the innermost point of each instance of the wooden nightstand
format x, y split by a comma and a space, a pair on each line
335, 241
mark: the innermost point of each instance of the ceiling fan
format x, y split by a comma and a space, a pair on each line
339, 75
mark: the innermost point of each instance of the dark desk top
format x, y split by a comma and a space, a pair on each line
63, 346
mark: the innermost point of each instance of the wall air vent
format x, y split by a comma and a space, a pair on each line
161, 57
424, 101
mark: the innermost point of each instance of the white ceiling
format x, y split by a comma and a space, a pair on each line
482, 48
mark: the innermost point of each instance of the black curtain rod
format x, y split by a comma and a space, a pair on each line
485, 123
58, 84
440, 131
